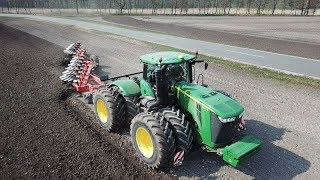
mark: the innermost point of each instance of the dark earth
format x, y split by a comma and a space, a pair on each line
44, 131
300, 49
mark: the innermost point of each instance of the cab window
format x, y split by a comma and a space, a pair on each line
148, 69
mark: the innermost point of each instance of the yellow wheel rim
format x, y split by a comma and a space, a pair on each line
102, 110
144, 142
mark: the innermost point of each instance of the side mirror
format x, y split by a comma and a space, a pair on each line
206, 65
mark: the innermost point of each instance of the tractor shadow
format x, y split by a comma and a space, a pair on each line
271, 161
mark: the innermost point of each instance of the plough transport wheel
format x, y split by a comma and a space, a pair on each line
109, 107
152, 139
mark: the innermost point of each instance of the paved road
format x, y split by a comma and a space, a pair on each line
279, 62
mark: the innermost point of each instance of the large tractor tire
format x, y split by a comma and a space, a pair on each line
153, 139
180, 127
109, 107
131, 107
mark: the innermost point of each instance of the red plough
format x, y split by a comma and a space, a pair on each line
79, 70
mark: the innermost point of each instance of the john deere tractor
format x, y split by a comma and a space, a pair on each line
168, 112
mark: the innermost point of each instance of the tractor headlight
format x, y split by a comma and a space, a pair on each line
226, 120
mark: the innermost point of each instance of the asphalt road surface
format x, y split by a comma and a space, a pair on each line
279, 62
284, 116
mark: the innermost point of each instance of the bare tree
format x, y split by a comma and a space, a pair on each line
174, 4
183, 6
8, 5
2, 5
77, 6
301, 6
311, 4
274, 5
248, 6
239, 3
260, 4
284, 6
216, 5
224, 5
121, 5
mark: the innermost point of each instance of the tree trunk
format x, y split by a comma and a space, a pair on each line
175, 6
136, 5
259, 7
163, 7
238, 6
248, 6
29, 7
274, 6
307, 8
230, 2
216, 7
77, 7
302, 7
8, 6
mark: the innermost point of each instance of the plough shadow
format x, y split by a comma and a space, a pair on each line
271, 161
101, 70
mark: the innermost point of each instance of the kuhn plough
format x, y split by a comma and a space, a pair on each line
79, 70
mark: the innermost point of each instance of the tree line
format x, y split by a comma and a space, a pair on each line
201, 7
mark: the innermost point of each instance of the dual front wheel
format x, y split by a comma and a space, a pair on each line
156, 136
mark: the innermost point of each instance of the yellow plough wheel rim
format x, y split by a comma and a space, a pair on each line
102, 111
144, 142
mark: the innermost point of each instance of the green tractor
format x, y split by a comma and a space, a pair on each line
168, 113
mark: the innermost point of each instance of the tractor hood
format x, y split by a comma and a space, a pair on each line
211, 100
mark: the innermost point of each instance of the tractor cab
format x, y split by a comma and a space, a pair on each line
161, 71
177, 65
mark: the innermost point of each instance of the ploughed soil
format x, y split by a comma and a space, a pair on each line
44, 132
301, 49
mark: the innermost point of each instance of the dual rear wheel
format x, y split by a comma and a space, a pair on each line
156, 137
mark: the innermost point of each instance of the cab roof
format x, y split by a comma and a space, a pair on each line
168, 57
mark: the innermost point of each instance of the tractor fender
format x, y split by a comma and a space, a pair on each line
128, 87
